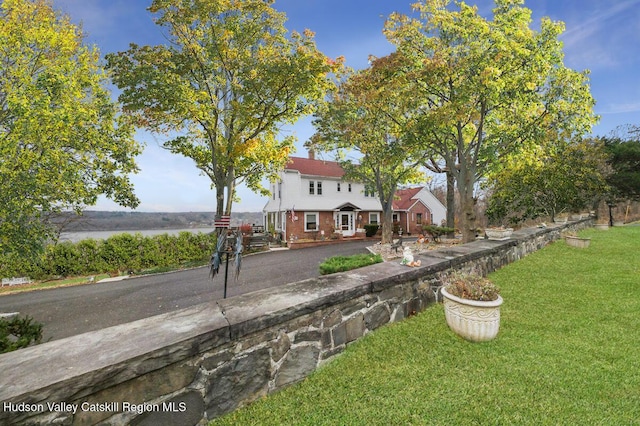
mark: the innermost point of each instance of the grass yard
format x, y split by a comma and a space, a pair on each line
568, 353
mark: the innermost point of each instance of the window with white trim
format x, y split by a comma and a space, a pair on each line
315, 188
311, 221
373, 218
338, 187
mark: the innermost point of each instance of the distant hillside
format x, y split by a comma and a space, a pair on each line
140, 221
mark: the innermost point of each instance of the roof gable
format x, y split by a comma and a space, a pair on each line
403, 198
314, 167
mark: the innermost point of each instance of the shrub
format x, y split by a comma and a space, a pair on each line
436, 231
371, 230
18, 333
346, 263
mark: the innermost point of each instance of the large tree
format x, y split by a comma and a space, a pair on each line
368, 115
624, 158
222, 86
566, 176
62, 142
489, 88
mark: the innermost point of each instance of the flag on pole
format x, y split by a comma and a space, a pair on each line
223, 222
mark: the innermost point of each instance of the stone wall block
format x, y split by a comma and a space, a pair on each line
332, 319
214, 360
339, 335
300, 361
355, 328
353, 307
280, 346
238, 382
308, 336
393, 293
377, 317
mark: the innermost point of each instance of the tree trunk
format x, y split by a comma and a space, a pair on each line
219, 199
466, 182
451, 200
387, 224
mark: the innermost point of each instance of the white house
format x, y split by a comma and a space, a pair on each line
312, 199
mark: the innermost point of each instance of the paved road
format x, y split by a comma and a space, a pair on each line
73, 310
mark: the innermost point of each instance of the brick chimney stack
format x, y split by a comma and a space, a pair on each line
312, 154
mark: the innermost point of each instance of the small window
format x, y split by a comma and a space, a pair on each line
312, 187
319, 187
349, 187
311, 221
373, 218
419, 218
338, 187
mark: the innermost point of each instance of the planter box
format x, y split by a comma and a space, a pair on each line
472, 320
498, 234
577, 241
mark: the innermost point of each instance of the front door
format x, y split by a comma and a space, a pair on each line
346, 223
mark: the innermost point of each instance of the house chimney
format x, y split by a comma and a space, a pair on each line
312, 154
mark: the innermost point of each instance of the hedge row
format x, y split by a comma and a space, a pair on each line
119, 253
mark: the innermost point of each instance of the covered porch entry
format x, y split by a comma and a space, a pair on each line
345, 219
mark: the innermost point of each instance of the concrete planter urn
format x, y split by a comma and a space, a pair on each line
473, 320
498, 234
577, 241
602, 226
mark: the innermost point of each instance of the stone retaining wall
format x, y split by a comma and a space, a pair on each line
195, 364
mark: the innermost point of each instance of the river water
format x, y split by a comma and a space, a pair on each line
74, 237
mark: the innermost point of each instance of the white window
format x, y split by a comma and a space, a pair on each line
369, 192
349, 187
373, 218
315, 187
338, 187
311, 221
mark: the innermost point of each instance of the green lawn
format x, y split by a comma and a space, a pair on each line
568, 353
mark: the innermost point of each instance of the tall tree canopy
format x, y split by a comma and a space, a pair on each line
229, 78
566, 176
488, 88
624, 158
368, 115
62, 142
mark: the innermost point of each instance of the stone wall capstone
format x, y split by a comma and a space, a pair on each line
189, 366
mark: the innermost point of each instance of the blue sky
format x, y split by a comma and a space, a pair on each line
602, 36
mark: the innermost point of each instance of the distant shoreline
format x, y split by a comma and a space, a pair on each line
76, 236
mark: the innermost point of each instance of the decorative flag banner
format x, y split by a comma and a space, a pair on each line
223, 222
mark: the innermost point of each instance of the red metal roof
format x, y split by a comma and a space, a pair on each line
310, 167
403, 198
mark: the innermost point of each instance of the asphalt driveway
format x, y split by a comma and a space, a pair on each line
73, 310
